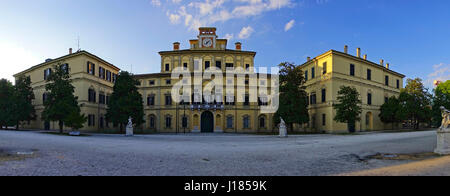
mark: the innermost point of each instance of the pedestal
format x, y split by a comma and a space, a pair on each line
129, 131
443, 142
283, 132
196, 130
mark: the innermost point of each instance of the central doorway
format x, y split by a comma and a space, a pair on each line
207, 125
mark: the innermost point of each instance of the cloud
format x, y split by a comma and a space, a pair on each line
229, 36
246, 32
15, 59
209, 12
440, 72
289, 25
156, 2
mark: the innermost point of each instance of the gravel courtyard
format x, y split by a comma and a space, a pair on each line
204, 154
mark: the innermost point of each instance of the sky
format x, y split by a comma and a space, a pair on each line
412, 35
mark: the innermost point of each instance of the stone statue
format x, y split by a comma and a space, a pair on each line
445, 119
129, 129
283, 128
443, 134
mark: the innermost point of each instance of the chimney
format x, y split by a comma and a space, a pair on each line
365, 57
382, 62
238, 45
308, 59
346, 49
387, 65
176, 46
70, 50
358, 52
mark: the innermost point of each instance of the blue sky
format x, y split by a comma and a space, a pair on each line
412, 35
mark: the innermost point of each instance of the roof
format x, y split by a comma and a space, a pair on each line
82, 52
206, 51
335, 52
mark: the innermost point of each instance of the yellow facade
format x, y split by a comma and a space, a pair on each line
325, 75
82, 81
367, 77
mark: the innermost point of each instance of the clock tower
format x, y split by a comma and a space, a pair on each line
207, 38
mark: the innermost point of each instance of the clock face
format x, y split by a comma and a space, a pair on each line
207, 42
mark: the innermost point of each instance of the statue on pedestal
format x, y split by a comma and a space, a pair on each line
283, 128
443, 134
445, 119
129, 128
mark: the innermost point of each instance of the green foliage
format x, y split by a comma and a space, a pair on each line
23, 97
293, 98
75, 120
125, 101
6, 103
61, 104
415, 102
348, 110
391, 111
441, 98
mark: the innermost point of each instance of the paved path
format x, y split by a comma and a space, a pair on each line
207, 154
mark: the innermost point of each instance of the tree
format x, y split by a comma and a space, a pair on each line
6, 104
23, 97
348, 110
61, 105
441, 98
293, 98
416, 102
391, 111
125, 101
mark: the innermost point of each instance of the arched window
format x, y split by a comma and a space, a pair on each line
168, 121
91, 95
229, 122
184, 122
262, 122
152, 122
246, 122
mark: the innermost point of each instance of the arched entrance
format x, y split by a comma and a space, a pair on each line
207, 125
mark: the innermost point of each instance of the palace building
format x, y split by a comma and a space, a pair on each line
237, 108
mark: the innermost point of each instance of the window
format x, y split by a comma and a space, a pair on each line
313, 99
168, 100
369, 74
324, 95
324, 68
168, 82
229, 65
262, 122
369, 98
185, 65
184, 123
168, 121
386, 80
108, 75
398, 83
91, 120
107, 100
114, 78
229, 100
101, 99
101, 73
219, 64
247, 82
324, 119
139, 83
101, 122
44, 97
229, 122
65, 67
313, 73
247, 100
247, 66
90, 68
151, 100
262, 101
352, 70
91, 95
167, 67
207, 65
246, 122
151, 82
306, 75
386, 99
47, 73
152, 122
